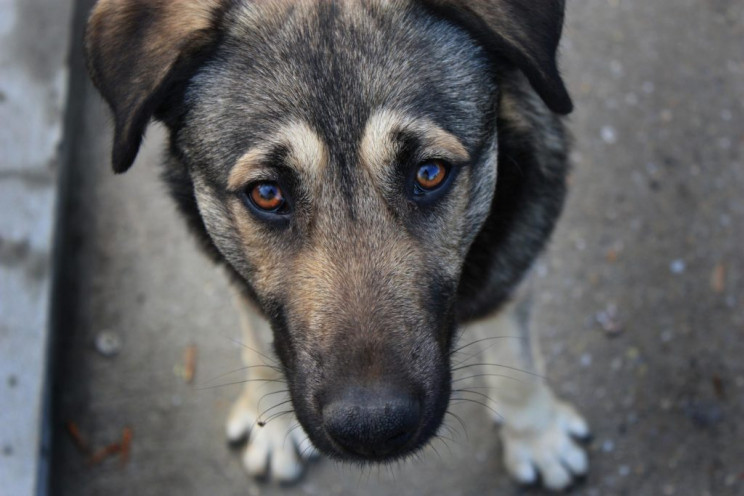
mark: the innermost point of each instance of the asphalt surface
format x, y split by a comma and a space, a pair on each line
641, 294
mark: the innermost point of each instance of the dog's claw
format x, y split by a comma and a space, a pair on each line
551, 450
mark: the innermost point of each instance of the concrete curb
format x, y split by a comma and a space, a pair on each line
34, 47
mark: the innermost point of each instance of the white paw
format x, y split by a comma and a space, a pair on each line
549, 451
277, 447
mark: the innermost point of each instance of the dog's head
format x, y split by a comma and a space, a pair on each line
343, 156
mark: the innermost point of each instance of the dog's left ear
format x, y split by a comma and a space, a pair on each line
524, 32
137, 50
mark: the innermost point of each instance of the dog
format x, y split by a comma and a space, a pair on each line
377, 177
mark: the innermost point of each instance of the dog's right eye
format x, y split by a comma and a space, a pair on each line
267, 196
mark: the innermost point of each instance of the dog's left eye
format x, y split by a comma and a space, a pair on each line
430, 176
267, 196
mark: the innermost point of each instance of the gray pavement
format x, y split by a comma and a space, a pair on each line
641, 295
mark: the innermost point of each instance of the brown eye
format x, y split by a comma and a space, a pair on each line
430, 175
267, 196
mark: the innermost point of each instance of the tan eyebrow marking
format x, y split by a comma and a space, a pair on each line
306, 152
379, 147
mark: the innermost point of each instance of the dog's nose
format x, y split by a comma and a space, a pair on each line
372, 422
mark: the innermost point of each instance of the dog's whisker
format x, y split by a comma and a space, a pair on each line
477, 393
258, 403
470, 400
490, 338
447, 438
238, 382
241, 369
481, 351
475, 376
448, 428
254, 350
260, 415
275, 416
444, 440
289, 431
461, 422
303, 451
483, 364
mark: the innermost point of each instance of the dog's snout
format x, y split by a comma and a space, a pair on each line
372, 422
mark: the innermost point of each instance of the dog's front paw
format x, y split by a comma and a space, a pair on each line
276, 445
549, 450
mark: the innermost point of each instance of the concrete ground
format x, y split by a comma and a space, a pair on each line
641, 300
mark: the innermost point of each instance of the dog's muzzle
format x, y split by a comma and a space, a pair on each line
374, 422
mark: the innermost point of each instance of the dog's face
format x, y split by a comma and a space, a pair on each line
343, 158
345, 180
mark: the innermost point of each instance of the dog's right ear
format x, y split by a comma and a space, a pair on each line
139, 49
524, 32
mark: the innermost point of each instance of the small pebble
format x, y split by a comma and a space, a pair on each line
309, 489
542, 270
703, 414
108, 343
608, 446
677, 266
648, 87
666, 336
586, 360
623, 470
608, 135
608, 320
631, 99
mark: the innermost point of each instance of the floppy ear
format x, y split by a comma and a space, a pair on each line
525, 32
139, 49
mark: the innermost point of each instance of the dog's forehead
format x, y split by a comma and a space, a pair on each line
329, 69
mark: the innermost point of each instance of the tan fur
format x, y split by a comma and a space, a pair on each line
177, 19
307, 153
378, 148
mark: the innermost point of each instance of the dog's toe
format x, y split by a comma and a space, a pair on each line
573, 422
519, 464
273, 453
550, 451
240, 420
